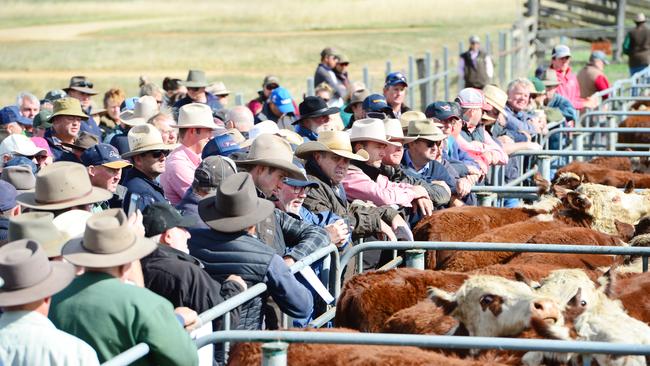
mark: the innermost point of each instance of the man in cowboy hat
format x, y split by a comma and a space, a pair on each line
26, 335
104, 166
145, 107
66, 124
82, 89
110, 315
314, 113
84, 141
148, 154
195, 126
230, 246
196, 83
355, 107
637, 45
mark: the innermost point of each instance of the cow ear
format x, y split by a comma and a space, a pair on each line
523, 278
629, 186
443, 299
625, 230
560, 191
575, 300
608, 281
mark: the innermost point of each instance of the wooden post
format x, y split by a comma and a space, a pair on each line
411, 80
389, 67
366, 78
428, 87
421, 75
445, 66
310, 87
620, 29
436, 70
502, 59
461, 81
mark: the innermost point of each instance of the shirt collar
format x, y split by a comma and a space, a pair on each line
194, 157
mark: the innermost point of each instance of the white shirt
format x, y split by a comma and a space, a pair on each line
29, 338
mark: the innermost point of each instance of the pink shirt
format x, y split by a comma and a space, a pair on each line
569, 88
477, 150
359, 186
179, 173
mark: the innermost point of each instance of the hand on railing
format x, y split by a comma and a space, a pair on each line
190, 317
238, 280
338, 232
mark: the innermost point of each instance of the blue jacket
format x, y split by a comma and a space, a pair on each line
55, 145
307, 134
432, 171
453, 153
148, 190
90, 125
564, 106
189, 207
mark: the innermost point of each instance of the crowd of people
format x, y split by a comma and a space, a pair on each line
121, 221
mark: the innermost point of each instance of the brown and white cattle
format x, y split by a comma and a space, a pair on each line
592, 173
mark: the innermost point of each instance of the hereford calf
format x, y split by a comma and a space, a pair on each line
592, 173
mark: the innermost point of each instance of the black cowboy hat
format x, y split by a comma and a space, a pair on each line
314, 107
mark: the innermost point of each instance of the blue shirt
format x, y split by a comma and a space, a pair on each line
432, 171
307, 134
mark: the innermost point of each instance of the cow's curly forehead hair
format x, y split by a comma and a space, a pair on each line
477, 285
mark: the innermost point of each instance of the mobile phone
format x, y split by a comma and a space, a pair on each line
133, 203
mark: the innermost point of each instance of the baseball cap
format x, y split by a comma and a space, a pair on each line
22, 161
223, 145
474, 39
327, 51
213, 170
53, 95
103, 154
442, 110
282, 99
270, 79
300, 182
8, 195
471, 98
375, 103
599, 55
561, 51
41, 120
21, 145
159, 217
11, 113
395, 78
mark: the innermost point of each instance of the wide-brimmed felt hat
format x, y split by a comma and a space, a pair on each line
38, 226
84, 141
425, 129
63, 185
80, 84
67, 107
409, 116
272, 151
394, 131
28, 275
145, 138
312, 107
358, 96
495, 97
195, 115
145, 108
336, 142
218, 89
369, 129
549, 78
196, 79
21, 177
236, 206
72, 222
108, 241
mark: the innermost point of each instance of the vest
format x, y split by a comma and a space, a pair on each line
475, 75
224, 254
587, 80
639, 47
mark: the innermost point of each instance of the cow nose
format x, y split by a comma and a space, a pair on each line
546, 310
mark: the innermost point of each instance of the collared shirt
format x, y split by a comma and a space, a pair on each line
569, 87
179, 173
307, 134
409, 164
29, 338
148, 190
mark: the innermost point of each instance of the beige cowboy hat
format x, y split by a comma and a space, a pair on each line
292, 137
196, 79
357, 97
273, 151
394, 131
236, 135
108, 241
369, 129
267, 127
145, 108
196, 115
21, 177
62, 185
495, 97
84, 141
67, 107
218, 88
145, 138
81, 84
549, 78
38, 226
425, 129
72, 223
28, 275
236, 206
409, 116
335, 142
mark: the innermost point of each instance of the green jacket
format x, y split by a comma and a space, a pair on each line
113, 316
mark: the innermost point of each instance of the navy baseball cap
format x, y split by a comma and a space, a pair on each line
282, 99
11, 113
22, 161
222, 145
300, 182
8, 195
442, 110
395, 78
375, 103
159, 217
103, 154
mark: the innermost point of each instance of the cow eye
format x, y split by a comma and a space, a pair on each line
583, 303
486, 299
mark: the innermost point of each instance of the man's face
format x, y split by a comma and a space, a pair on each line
203, 135
269, 180
393, 155
168, 133
105, 177
561, 64
177, 237
151, 163
113, 109
518, 97
376, 152
28, 108
66, 127
395, 94
83, 98
13, 128
342, 67
422, 149
451, 126
475, 46
268, 88
472, 116
550, 92
290, 198
315, 124
357, 110
333, 166
330, 61
196, 94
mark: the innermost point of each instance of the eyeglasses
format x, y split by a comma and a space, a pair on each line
431, 144
298, 190
193, 89
83, 84
270, 86
157, 154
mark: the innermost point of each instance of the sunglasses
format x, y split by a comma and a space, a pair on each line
157, 154
193, 89
271, 86
431, 144
83, 84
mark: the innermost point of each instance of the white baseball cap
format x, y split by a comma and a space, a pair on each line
21, 145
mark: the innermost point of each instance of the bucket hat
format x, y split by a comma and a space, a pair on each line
72, 222
236, 206
426, 130
394, 131
273, 151
312, 107
38, 226
335, 142
84, 141
358, 96
145, 107
145, 138
495, 97
62, 185
195, 115
196, 79
67, 107
108, 241
409, 116
28, 275
21, 177
369, 129
80, 84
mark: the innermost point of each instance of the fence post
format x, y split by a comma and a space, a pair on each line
445, 66
420, 66
415, 258
428, 87
488, 44
620, 28
502, 59
239, 99
389, 67
366, 78
310, 87
411, 79
436, 70
274, 354
513, 55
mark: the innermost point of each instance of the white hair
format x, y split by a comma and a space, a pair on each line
519, 81
241, 117
25, 94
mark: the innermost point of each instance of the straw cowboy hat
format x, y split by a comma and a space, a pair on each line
28, 275
84, 141
196, 79
495, 97
20, 176
409, 116
145, 108
80, 84
107, 242
145, 138
273, 151
67, 107
38, 226
335, 142
369, 129
62, 185
426, 130
395, 133
236, 206
195, 115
